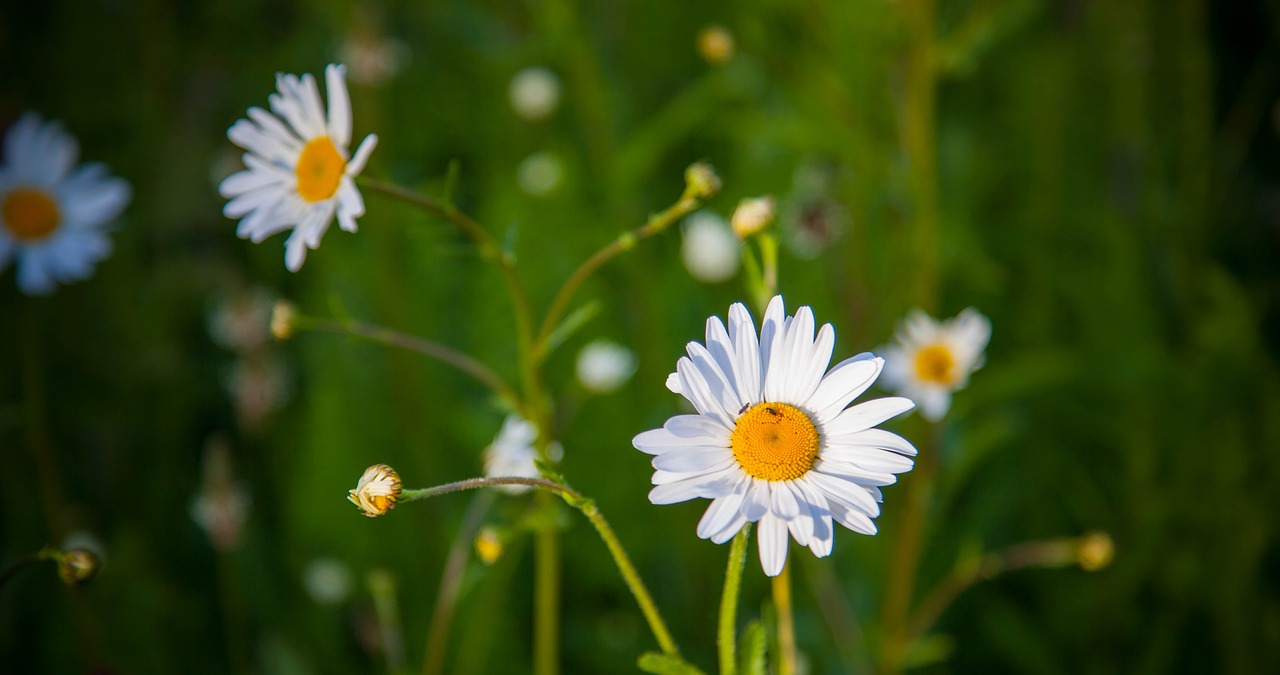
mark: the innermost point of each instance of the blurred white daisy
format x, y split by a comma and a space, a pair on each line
53, 214
710, 249
774, 440
512, 453
540, 173
534, 93
327, 580
604, 366
931, 359
299, 174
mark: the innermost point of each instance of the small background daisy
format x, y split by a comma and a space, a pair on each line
929, 359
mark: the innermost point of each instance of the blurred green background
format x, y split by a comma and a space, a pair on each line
1099, 177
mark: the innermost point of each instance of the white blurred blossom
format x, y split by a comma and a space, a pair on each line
710, 249
534, 93
604, 366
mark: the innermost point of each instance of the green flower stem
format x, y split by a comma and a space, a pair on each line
490, 250
435, 350
46, 553
1061, 552
592, 512
786, 621
727, 640
688, 201
919, 146
906, 552
546, 601
451, 584
769, 259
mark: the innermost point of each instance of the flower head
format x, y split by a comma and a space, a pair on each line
774, 440
77, 565
604, 366
709, 250
377, 491
53, 214
715, 45
298, 172
534, 93
512, 453
931, 359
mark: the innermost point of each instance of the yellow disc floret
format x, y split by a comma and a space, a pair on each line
775, 441
30, 214
320, 169
935, 364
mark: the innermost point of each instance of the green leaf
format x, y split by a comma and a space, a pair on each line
576, 319
666, 664
751, 649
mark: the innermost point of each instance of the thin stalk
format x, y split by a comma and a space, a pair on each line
546, 602
47, 475
451, 584
906, 551
435, 350
589, 509
786, 621
23, 563
382, 586
625, 242
727, 639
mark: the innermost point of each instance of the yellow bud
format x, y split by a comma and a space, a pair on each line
77, 566
701, 180
489, 545
1096, 551
715, 45
752, 215
283, 318
377, 491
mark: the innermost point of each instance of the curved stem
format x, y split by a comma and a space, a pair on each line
786, 621
657, 223
589, 509
729, 602
435, 350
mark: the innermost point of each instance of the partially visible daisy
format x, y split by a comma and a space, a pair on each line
53, 214
299, 174
931, 359
512, 453
774, 440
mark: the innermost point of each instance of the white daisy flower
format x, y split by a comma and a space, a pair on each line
299, 174
512, 453
53, 214
931, 359
604, 366
774, 440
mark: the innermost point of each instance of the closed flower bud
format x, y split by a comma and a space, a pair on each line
701, 179
283, 318
715, 45
488, 545
752, 215
77, 566
1096, 551
377, 491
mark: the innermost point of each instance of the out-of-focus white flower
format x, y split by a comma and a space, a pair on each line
540, 173
929, 359
373, 59
604, 366
710, 249
534, 93
299, 175
512, 453
259, 385
53, 214
327, 581
240, 321
221, 507
775, 440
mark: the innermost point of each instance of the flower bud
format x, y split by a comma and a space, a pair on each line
715, 45
701, 180
377, 491
488, 545
77, 566
1096, 551
752, 215
283, 318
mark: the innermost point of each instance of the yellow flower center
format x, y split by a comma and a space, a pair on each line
775, 441
319, 170
30, 214
935, 363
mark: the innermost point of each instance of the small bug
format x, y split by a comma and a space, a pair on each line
772, 411
744, 407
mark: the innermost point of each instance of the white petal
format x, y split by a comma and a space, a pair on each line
870, 459
853, 519
746, 347
771, 334
699, 392
867, 415
339, 105
722, 512
718, 382
730, 529
772, 538
709, 486
934, 403
673, 383
876, 438
700, 459
356, 165
845, 382
756, 504
838, 491
783, 502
